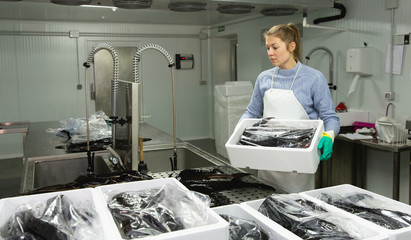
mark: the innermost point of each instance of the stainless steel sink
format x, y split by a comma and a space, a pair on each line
159, 160
48, 171
62, 171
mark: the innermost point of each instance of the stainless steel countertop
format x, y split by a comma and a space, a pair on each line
14, 127
41, 146
40, 143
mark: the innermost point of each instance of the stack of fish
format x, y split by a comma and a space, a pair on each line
265, 133
306, 219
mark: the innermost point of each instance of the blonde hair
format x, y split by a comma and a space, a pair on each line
288, 33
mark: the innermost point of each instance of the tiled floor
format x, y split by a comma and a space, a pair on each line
11, 171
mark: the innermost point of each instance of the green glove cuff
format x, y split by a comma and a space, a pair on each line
326, 146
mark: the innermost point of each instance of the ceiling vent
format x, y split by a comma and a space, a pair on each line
235, 9
71, 2
187, 6
278, 11
132, 4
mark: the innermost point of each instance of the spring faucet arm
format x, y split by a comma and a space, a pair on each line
136, 59
114, 82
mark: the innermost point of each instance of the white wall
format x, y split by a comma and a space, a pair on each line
39, 77
366, 21
38, 74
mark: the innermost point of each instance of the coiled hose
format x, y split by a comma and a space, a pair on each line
136, 59
114, 82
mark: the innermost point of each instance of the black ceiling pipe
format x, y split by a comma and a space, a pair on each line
332, 18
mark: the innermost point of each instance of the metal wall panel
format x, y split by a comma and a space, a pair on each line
42, 72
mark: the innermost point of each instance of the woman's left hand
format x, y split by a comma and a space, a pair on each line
326, 146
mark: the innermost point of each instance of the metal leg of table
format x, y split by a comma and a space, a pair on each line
363, 182
409, 182
360, 166
396, 177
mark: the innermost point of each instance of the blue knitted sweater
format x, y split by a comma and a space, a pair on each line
310, 88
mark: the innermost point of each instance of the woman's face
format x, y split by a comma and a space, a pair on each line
278, 52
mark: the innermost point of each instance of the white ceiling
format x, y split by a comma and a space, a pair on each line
158, 13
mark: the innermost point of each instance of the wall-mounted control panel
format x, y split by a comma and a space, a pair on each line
402, 39
184, 61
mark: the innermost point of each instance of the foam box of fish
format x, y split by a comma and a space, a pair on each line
236, 210
215, 227
302, 160
344, 221
81, 199
377, 203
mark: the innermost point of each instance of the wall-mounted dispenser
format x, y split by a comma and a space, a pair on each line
184, 61
360, 61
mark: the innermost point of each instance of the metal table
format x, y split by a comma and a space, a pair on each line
361, 155
15, 127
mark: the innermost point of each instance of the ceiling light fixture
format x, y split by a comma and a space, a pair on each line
187, 6
71, 2
132, 4
235, 9
278, 11
100, 6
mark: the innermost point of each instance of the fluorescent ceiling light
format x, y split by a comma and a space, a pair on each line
99, 6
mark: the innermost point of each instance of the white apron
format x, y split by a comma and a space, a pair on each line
282, 104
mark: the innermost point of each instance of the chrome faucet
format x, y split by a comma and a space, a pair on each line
90, 155
388, 106
330, 78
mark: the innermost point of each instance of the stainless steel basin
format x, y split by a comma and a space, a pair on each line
159, 160
46, 172
62, 171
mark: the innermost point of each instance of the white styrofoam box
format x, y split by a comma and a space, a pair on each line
366, 232
230, 102
216, 227
234, 88
269, 226
348, 118
81, 198
302, 160
388, 203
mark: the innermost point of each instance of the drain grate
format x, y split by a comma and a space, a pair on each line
236, 196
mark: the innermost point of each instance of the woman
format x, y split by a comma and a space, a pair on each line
292, 90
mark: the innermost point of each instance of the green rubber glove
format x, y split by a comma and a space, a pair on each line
326, 146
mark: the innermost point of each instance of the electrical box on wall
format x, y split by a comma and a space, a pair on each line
184, 61
402, 39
